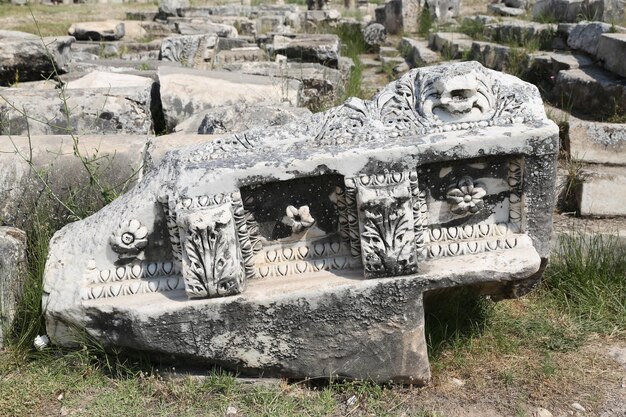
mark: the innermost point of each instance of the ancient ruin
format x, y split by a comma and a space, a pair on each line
304, 250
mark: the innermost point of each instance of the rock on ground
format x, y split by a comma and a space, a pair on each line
568, 10
80, 110
585, 36
206, 27
185, 92
417, 54
450, 44
13, 270
119, 160
612, 52
374, 34
600, 193
319, 83
241, 117
591, 92
323, 49
595, 142
26, 57
110, 30
172, 7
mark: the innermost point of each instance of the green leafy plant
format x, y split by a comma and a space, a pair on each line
425, 22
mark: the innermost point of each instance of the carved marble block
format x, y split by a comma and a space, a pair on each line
304, 250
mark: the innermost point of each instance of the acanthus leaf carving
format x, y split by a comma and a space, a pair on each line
212, 262
387, 225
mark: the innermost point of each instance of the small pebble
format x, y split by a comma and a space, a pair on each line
458, 382
231, 410
542, 412
41, 342
578, 407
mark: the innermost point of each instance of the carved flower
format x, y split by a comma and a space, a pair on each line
466, 196
298, 218
130, 238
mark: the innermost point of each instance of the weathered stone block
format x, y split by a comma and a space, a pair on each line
323, 49
504, 10
612, 52
238, 118
206, 28
245, 54
105, 110
55, 168
585, 36
338, 223
110, 30
591, 91
451, 44
185, 92
598, 143
417, 54
598, 195
521, 32
172, 7
374, 34
195, 51
26, 57
318, 81
569, 10
13, 270
491, 55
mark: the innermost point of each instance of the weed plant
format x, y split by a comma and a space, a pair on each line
473, 28
425, 22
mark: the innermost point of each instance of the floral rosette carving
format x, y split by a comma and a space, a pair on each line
466, 196
298, 218
129, 239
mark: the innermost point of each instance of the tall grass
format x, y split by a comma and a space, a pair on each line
587, 279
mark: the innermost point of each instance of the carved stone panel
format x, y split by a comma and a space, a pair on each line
212, 261
473, 206
304, 214
386, 224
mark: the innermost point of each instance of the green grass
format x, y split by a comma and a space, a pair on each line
46, 28
520, 342
586, 279
473, 28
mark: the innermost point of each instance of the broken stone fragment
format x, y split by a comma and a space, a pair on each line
374, 34
13, 270
110, 30
186, 92
240, 117
26, 57
304, 250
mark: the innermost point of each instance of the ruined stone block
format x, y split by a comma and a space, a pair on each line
304, 250
13, 270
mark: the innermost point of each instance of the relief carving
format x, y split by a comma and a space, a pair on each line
387, 226
129, 239
212, 262
429, 100
466, 196
461, 98
298, 219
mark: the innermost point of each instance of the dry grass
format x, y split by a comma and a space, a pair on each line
56, 20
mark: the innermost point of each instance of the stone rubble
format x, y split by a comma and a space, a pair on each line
12, 272
110, 30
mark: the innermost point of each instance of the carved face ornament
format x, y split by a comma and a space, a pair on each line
462, 98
